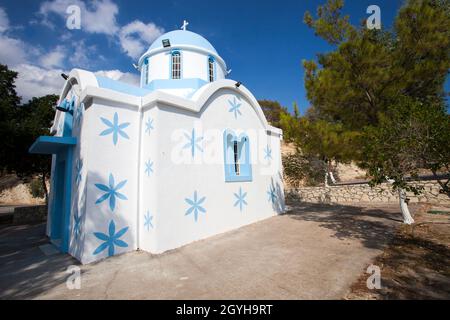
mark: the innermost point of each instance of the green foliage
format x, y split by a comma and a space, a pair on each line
370, 68
327, 140
300, 168
378, 98
35, 119
36, 188
320, 144
273, 110
330, 25
410, 135
319, 138
290, 126
20, 125
8, 113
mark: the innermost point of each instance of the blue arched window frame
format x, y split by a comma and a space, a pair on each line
237, 160
176, 71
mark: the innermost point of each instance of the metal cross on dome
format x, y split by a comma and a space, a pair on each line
185, 24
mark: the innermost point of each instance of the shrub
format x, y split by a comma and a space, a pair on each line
36, 189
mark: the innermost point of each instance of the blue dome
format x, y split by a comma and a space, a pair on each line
182, 37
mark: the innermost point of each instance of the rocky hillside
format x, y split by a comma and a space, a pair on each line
13, 192
345, 172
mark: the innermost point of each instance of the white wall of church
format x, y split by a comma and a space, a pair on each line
111, 193
180, 175
159, 66
149, 167
194, 65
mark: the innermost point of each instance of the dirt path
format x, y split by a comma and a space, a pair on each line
416, 265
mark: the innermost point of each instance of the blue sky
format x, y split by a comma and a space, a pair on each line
263, 42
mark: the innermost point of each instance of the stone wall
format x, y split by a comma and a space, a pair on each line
30, 214
363, 193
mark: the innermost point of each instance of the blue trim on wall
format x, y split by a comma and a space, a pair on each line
193, 83
107, 83
51, 145
245, 167
58, 200
68, 120
67, 200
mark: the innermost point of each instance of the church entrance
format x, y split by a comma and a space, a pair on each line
57, 213
61, 189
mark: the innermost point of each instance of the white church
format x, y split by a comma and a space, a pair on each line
186, 155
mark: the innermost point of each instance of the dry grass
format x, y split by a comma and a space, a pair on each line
416, 264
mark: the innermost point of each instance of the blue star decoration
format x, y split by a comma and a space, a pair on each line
195, 206
148, 221
148, 168
193, 143
240, 199
111, 192
149, 125
267, 153
115, 128
235, 107
79, 169
79, 114
111, 239
271, 194
76, 225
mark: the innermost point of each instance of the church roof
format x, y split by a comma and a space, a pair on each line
182, 37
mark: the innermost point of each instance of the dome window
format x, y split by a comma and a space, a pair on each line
211, 69
176, 65
145, 71
166, 43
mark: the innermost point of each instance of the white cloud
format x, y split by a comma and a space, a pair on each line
4, 21
12, 51
81, 53
118, 75
53, 58
136, 36
34, 81
40, 70
98, 16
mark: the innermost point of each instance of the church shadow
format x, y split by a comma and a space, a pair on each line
374, 227
25, 271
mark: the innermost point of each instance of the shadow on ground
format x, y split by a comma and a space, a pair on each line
416, 265
25, 271
349, 222
422, 270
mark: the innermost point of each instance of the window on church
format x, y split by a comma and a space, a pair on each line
211, 69
237, 157
176, 65
146, 68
